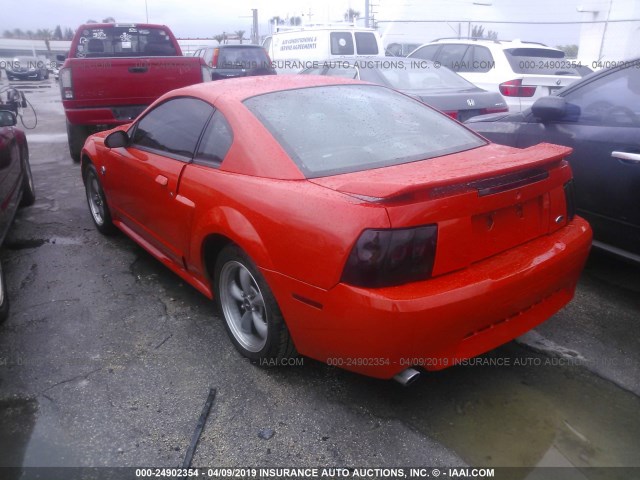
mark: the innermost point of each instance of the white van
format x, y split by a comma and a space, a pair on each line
295, 49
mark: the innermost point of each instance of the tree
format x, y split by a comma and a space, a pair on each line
570, 51
109, 20
68, 33
7, 34
478, 32
240, 34
57, 33
219, 38
295, 21
17, 33
29, 34
90, 21
350, 15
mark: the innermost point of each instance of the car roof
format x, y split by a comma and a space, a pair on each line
121, 24
239, 89
496, 44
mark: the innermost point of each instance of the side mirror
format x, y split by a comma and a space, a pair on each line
117, 139
549, 108
61, 58
7, 118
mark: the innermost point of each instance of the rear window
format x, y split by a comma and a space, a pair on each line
121, 41
540, 61
245, 58
422, 77
337, 129
366, 43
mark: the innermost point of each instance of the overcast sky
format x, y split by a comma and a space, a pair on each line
205, 18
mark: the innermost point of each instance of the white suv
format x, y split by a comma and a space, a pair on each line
521, 71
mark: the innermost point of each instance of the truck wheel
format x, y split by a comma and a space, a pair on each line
76, 135
28, 187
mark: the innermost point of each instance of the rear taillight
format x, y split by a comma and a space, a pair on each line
453, 115
66, 84
389, 257
495, 110
216, 54
569, 196
514, 88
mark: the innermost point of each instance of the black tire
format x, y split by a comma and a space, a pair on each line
4, 297
76, 136
265, 335
28, 187
97, 202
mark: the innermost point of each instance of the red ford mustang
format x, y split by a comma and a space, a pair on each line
342, 220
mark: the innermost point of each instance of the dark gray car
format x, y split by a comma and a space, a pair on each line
27, 68
599, 116
228, 61
433, 84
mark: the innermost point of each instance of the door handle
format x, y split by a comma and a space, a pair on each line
138, 69
626, 157
162, 180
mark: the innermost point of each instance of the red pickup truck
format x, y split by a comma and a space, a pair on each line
114, 71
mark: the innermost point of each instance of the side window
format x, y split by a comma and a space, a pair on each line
452, 55
341, 43
428, 52
366, 43
612, 100
482, 59
173, 127
349, 72
215, 143
267, 43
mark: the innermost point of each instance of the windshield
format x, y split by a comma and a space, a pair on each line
337, 129
243, 57
124, 41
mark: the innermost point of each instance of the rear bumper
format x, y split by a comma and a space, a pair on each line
441, 321
117, 115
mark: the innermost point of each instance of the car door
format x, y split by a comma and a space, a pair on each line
145, 192
602, 124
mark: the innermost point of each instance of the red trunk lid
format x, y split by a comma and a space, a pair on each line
485, 201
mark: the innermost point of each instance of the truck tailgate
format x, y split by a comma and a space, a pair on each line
129, 81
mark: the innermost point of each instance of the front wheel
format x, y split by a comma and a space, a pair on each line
97, 202
4, 297
28, 187
252, 317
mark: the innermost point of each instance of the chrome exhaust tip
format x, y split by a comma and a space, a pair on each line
407, 377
